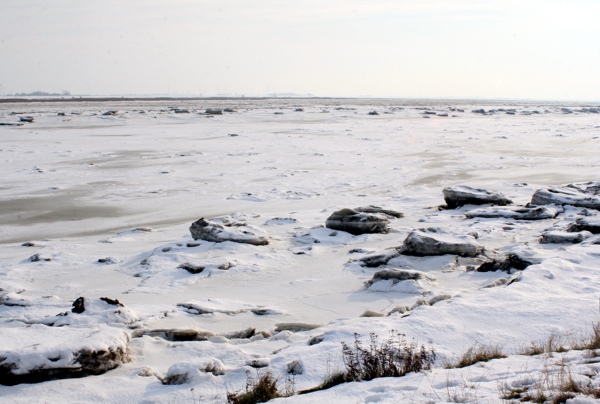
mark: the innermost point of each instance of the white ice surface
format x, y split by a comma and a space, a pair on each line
83, 186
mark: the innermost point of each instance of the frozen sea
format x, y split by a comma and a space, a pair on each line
97, 198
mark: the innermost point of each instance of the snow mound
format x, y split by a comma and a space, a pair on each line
396, 280
190, 372
521, 213
39, 353
90, 313
224, 306
322, 236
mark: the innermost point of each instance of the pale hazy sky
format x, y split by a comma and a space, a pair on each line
533, 49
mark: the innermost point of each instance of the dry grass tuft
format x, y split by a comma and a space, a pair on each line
592, 342
475, 354
555, 385
261, 389
394, 357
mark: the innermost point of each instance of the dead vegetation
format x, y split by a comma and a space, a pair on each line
475, 354
260, 389
393, 357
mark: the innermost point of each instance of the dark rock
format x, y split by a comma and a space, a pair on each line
114, 302
371, 313
502, 282
511, 261
317, 339
438, 298
12, 300
399, 310
438, 242
373, 113
181, 373
142, 230
258, 363
521, 213
358, 251
224, 266
591, 224
110, 113
377, 209
281, 221
28, 119
560, 237
211, 111
176, 379
261, 311
379, 259
296, 327
229, 110
216, 263
356, 223
585, 196
199, 308
295, 367
175, 335
10, 124
299, 110
107, 260
460, 195
395, 275
28, 244
180, 111
243, 334
191, 268
38, 257
302, 250
236, 232
78, 305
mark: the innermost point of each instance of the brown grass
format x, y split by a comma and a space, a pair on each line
261, 389
475, 354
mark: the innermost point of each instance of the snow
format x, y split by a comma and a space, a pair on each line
106, 203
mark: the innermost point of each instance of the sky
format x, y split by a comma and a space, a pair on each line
515, 49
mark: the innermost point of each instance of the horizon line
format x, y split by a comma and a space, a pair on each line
5, 99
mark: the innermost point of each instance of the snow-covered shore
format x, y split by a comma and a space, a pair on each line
99, 205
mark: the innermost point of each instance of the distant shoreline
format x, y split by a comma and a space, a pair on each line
113, 99
413, 101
